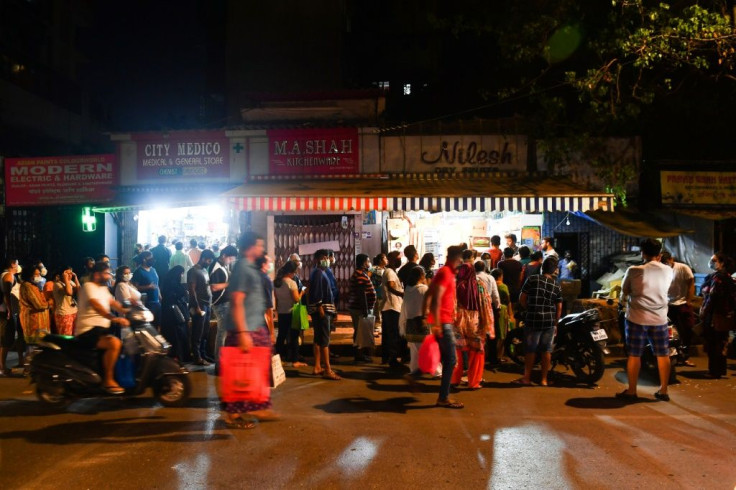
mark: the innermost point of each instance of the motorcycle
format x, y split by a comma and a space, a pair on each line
648, 359
579, 344
63, 370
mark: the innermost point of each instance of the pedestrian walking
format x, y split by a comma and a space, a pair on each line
441, 297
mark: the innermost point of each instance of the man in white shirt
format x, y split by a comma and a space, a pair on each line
645, 287
547, 248
182, 259
94, 318
680, 294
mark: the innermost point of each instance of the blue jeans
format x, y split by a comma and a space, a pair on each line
200, 330
221, 311
448, 357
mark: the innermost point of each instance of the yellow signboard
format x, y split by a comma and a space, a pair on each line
697, 188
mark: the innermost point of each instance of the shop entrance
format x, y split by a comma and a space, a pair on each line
206, 224
578, 244
292, 231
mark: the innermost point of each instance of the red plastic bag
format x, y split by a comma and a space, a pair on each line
429, 355
245, 376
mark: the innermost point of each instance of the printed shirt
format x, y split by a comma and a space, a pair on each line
362, 295
543, 296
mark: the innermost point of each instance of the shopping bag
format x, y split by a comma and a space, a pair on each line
299, 317
364, 336
429, 355
278, 375
125, 371
244, 376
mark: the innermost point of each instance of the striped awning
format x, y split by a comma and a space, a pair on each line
533, 194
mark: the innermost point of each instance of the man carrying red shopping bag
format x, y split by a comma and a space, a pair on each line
243, 372
440, 303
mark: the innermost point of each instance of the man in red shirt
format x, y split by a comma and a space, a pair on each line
495, 251
440, 302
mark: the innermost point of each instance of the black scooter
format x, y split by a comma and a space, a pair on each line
63, 370
580, 344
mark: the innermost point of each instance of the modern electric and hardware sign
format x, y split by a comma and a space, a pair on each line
75, 179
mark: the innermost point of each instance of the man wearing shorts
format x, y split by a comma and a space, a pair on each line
645, 287
321, 304
541, 297
94, 319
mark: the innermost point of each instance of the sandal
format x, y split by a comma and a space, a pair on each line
449, 404
318, 373
238, 423
331, 375
114, 390
521, 382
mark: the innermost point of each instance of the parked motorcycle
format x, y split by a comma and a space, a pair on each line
580, 345
63, 370
648, 359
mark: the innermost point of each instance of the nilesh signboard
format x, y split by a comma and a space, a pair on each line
685, 188
313, 151
170, 156
42, 181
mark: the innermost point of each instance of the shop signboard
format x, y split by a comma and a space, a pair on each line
313, 151
698, 188
450, 154
50, 181
187, 154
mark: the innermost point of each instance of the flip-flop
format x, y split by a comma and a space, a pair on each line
449, 404
318, 373
520, 382
331, 375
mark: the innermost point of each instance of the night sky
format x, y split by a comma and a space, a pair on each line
147, 63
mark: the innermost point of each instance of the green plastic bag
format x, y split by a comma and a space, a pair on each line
299, 317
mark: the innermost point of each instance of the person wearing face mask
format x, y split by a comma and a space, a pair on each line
9, 311
34, 309
393, 292
65, 286
124, 290
94, 320
321, 305
219, 278
264, 264
145, 279
200, 303
717, 312
175, 313
361, 301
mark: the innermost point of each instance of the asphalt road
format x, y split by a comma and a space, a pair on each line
369, 431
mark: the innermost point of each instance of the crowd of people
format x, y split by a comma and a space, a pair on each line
469, 305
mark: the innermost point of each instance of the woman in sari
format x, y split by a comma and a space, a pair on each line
471, 322
34, 309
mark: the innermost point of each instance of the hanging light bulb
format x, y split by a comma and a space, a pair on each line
567, 219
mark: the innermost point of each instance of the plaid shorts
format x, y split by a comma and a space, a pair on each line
637, 336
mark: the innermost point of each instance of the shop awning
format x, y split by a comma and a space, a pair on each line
419, 192
129, 198
633, 222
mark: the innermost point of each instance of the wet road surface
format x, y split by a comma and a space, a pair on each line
369, 431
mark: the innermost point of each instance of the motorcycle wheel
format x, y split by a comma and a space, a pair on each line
173, 390
51, 395
514, 344
590, 362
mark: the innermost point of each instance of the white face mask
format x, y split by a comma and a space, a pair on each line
127, 277
37, 279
